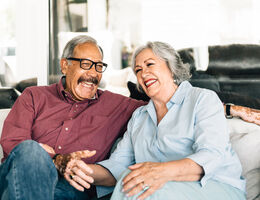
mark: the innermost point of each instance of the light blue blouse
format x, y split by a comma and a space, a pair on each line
194, 127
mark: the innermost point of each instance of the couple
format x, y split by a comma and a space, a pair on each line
56, 138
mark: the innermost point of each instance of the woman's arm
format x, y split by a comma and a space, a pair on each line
102, 176
183, 170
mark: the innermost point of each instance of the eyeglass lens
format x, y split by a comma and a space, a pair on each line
87, 64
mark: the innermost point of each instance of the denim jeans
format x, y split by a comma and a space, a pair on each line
29, 174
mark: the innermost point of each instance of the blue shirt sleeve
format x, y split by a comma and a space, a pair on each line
210, 134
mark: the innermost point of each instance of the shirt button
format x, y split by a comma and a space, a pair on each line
71, 118
59, 147
66, 129
76, 105
75, 111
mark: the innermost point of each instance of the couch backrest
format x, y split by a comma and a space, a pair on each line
235, 60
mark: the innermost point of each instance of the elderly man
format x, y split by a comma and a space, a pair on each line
49, 125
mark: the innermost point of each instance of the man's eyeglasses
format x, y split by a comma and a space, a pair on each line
87, 64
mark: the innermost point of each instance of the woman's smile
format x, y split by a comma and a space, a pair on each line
149, 82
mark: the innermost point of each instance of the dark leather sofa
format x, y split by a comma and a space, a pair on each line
232, 68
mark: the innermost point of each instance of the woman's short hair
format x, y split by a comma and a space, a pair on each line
81, 39
180, 71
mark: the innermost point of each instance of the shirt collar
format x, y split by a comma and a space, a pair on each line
180, 93
178, 96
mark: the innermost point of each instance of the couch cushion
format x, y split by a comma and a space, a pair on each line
245, 139
8, 97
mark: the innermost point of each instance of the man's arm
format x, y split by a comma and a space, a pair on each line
17, 126
245, 113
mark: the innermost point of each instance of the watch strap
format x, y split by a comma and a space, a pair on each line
228, 114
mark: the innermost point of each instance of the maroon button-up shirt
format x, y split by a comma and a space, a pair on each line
48, 115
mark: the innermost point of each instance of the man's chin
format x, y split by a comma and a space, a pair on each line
85, 93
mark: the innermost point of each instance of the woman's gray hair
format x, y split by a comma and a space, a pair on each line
81, 39
164, 51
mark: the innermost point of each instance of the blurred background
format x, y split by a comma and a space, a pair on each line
33, 33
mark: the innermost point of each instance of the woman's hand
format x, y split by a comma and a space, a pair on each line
146, 176
74, 170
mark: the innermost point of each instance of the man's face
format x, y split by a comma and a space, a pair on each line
82, 84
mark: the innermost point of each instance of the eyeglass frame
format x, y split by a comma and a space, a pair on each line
93, 63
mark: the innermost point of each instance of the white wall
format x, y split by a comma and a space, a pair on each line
186, 23
32, 36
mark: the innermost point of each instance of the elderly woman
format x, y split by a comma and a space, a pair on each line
177, 146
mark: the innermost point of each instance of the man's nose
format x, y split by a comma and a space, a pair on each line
92, 70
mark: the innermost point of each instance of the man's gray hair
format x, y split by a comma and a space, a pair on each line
164, 51
81, 39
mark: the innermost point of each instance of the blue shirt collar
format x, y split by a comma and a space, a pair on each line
181, 92
177, 98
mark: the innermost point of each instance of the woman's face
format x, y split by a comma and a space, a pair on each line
153, 75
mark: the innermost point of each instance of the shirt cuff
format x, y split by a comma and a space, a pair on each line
209, 163
103, 190
115, 168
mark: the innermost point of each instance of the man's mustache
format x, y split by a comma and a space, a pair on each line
91, 79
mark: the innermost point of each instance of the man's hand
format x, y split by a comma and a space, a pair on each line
47, 148
74, 170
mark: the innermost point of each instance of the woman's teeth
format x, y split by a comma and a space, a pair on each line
148, 83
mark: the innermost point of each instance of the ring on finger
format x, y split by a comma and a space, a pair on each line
145, 186
72, 176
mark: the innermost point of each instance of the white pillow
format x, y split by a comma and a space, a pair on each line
245, 139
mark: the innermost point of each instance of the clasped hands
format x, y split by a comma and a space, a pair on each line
74, 170
147, 176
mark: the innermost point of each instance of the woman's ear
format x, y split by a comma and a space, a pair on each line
63, 66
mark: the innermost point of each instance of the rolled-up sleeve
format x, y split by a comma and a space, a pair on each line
210, 135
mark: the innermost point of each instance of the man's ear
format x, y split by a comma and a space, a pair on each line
63, 66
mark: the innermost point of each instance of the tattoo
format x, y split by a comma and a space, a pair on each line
61, 162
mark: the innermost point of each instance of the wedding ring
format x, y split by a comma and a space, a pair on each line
72, 176
145, 187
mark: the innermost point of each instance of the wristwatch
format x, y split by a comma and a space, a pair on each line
228, 114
